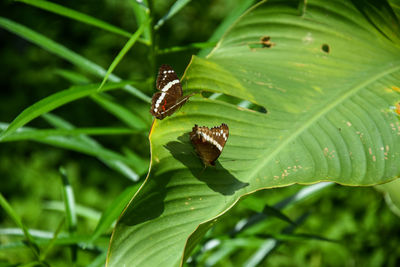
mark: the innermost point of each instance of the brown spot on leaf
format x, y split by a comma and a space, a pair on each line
264, 42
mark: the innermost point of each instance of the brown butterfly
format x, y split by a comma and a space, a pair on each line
166, 102
209, 143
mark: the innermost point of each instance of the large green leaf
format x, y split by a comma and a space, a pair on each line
328, 81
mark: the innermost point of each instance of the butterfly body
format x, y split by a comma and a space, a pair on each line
209, 143
170, 98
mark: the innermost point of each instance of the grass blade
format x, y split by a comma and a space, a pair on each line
17, 220
43, 237
39, 234
301, 195
142, 14
271, 244
114, 210
32, 134
113, 159
52, 102
52, 241
70, 211
81, 211
85, 144
121, 112
122, 53
69, 202
176, 7
72, 76
104, 101
78, 16
99, 261
228, 21
66, 54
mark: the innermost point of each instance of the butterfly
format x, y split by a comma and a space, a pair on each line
166, 102
209, 143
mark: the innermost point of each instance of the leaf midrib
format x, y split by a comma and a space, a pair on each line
270, 155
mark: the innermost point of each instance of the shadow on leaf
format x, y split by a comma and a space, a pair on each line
148, 204
217, 178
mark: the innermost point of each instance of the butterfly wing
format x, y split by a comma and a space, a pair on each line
209, 143
164, 104
170, 98
168, 81
220, 134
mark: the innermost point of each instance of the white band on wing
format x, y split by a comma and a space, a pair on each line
211, 140
164, 90
169, 85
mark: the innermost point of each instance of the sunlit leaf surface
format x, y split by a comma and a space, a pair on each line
327, 75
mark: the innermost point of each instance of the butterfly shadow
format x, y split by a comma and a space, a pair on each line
148, 203
216, 177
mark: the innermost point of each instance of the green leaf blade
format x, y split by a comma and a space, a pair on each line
113, 211
175, 8
75, 15
86, 144
132, 40
65, 53
328, 119
122, 113
54, 101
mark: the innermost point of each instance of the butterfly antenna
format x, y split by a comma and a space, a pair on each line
204, 168
226, 160
191, 94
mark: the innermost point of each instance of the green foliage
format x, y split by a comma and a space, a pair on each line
328, 119
306, 87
